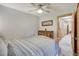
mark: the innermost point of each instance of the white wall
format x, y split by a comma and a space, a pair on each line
14, 24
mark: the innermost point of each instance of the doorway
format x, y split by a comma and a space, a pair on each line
65, 32
64, 25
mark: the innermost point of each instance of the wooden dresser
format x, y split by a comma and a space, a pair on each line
46, 33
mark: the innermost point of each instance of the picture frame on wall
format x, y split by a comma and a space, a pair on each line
47, 23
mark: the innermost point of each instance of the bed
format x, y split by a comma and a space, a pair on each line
36, 46
31, 46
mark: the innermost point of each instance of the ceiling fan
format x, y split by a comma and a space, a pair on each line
40, 7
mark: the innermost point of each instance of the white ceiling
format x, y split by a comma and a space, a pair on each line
57, 8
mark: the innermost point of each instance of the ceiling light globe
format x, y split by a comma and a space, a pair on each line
40, 11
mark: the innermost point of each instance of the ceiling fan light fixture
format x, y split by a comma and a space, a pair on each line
40, 11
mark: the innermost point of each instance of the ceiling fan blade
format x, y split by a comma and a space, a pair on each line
46, 4
50, 7
43, 6
37, 5
40, 5
33, 10
46, 10
33, 4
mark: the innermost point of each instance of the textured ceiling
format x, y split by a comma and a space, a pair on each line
56, 8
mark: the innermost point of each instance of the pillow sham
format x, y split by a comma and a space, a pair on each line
3, 48
11, 50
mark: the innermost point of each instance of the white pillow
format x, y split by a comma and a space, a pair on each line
11, 51
3, 48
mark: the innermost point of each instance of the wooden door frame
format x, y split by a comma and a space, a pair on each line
74, 28
76, 31
58, 28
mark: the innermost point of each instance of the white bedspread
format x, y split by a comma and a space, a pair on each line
33, 46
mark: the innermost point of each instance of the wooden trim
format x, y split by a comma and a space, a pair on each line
76, 31
64, 15
58, 28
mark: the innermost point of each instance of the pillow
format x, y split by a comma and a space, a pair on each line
3, 48
11, 50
